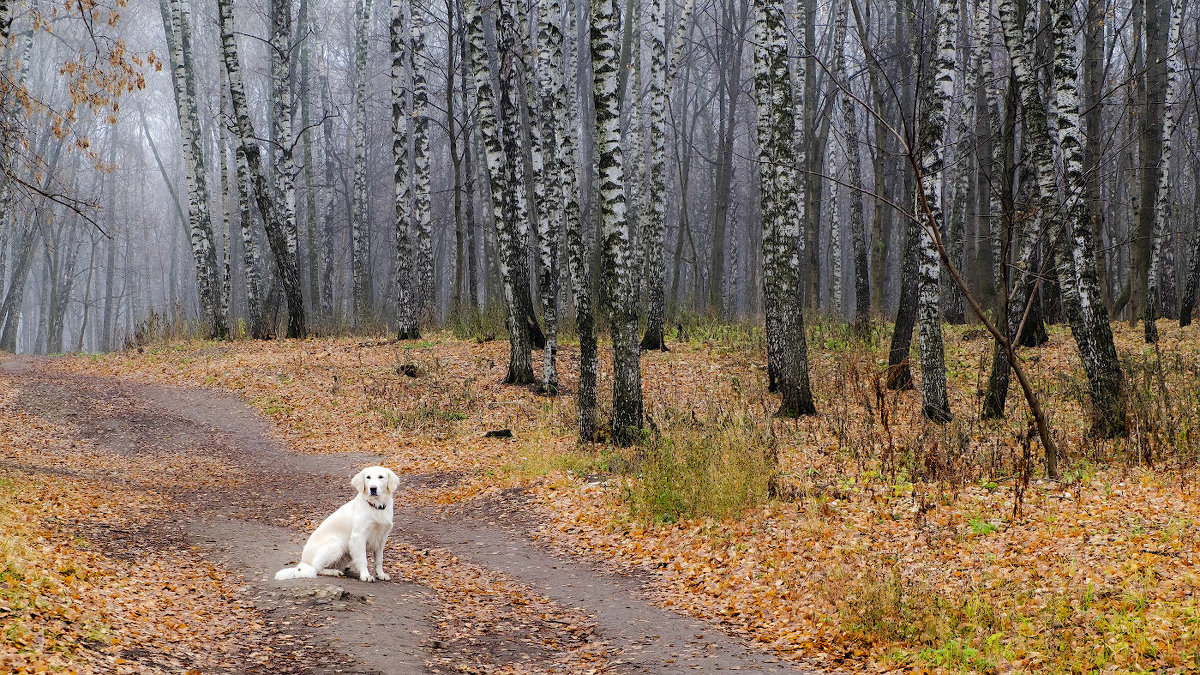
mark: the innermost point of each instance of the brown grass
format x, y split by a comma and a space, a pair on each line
897, 543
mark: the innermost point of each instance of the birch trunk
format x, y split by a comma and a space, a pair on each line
862, 280
407, 315
654, 211
360, 246
179, 42
577, 250
277, 217
775, 128
1073, 251
310, 194
931, 151
251, 256
1162, 203
550, 220
423, 283
520, 366
1187, 302
327, 271
618, 287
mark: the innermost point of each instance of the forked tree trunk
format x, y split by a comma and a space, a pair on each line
1074, 251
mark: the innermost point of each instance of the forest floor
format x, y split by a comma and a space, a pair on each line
148, 496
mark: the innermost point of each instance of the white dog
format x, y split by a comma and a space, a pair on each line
344, 537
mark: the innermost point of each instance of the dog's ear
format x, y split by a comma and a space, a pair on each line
359, 481
393, 480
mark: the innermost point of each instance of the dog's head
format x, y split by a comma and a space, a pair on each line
375, 481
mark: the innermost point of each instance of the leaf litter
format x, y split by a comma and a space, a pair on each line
897, 545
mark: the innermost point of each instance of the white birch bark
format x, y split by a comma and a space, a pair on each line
408, 319
421, 208
567, 121
1074, 253
503, 194
327, 272
281, 121
551, 208
359, 229
654, 213
931, 152
618, 287
1162, 204
276, 216
196, 176
776, 126
862, 283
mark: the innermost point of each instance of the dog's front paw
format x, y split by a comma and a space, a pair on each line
366, 576
382, 576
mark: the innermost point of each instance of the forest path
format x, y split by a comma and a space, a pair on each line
250, 502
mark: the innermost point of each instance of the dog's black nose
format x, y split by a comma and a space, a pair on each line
374, 491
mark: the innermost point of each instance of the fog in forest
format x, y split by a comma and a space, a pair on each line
266, 169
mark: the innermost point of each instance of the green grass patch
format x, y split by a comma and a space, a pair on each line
689, 468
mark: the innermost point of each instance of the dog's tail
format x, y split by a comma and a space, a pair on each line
301, 571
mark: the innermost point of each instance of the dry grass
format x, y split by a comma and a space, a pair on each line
896, 543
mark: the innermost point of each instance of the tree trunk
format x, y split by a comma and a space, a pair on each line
1074, 252
505, 195
360, 232
550, 217
929, 165
176, 24
618, 287
310, 194
421, 210
862, 275
780, 221
407, 296
1162, 204
577, 253
276, 211
327, 272
1150, 151
654, 213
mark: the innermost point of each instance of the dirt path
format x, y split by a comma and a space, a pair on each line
251, 519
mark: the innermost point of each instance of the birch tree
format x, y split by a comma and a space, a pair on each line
654, 212
421, 209
359, 228
930, 153
408, 318
176, 22
1072, 243
567, 121
619, 280
552, 208
276, 212
504, 201
1162, 203
862, 281
775, 129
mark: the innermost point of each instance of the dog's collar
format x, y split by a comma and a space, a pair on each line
380, 507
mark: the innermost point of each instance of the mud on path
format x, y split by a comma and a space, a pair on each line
471, 590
